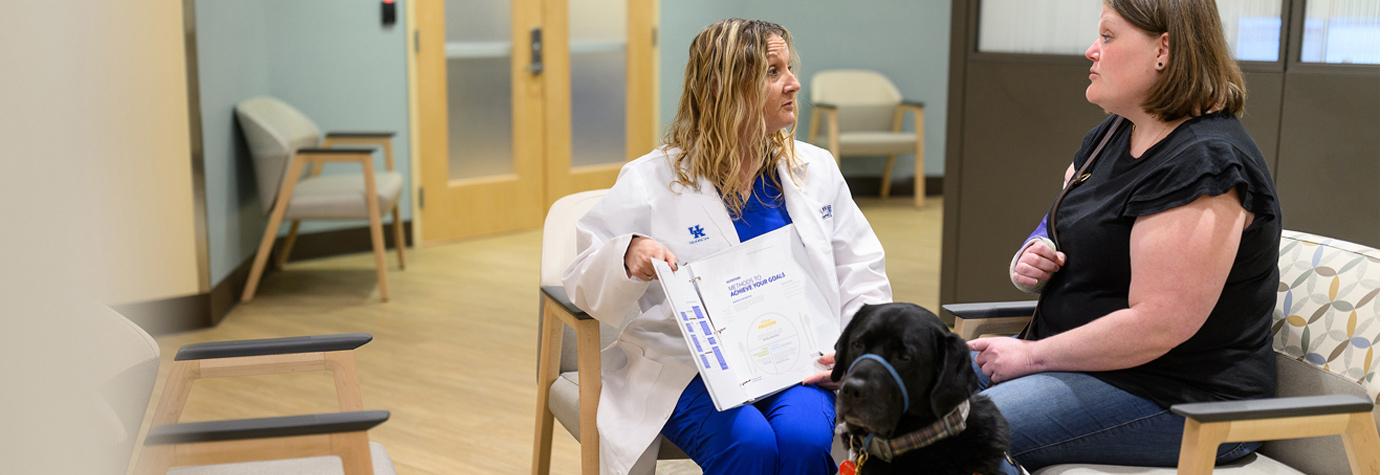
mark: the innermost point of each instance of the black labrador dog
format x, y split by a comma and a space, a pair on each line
925, 376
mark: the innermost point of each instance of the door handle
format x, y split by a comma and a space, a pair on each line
536, 50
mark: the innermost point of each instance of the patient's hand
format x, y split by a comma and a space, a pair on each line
823, 378
1036, 265
1003, 358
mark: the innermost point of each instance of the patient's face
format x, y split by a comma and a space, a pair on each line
780, 103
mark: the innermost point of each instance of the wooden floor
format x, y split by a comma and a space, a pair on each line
453, 356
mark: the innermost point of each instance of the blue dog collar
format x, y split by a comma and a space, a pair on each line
893, 374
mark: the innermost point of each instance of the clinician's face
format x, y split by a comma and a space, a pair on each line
780, 103
1125, 61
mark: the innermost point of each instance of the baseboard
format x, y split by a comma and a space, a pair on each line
172, 315
204, 310
870, 186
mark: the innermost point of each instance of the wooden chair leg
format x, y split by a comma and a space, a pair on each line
286, 251
590, 385
279, 210
376, 228
885, 179
347, 380
919, 160
157, 459
398, 237
1362, 442
551, 341
353, 449
1199, 444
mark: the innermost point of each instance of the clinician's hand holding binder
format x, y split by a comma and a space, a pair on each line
754, 320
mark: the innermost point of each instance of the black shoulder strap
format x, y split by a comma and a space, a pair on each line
1081, 175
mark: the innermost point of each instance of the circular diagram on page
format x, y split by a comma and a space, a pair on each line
773, 343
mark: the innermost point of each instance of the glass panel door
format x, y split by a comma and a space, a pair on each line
478, 87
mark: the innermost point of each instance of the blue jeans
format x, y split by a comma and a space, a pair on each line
789, 432
1059, 417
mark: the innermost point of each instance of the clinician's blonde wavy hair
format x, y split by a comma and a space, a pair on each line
720, 118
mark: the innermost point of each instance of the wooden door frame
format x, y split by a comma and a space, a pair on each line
561, 176
496, 203
551, 154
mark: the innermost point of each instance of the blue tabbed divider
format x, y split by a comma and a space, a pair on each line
705, 360
719, 357
705, 326
697, 343
712, 341
688, 328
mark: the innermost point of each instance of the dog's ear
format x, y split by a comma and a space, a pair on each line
956, 381
843, 351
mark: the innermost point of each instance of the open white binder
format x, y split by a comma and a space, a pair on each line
752, 316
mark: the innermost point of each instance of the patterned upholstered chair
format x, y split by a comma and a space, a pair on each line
1327, 342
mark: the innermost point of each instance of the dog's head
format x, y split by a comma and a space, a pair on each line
933, 363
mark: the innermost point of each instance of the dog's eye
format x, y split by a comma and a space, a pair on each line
903, 356
857, 348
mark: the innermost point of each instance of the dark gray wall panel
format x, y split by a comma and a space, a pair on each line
1262, 113
1329, 155
1022, 124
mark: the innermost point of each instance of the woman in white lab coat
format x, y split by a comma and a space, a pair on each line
729, 170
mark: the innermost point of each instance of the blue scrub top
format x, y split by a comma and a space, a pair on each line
764, 211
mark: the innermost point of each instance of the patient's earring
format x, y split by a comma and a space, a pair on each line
1159, 65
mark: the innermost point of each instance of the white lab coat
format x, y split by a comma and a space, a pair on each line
648, 366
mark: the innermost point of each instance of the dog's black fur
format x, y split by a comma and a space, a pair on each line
937, 371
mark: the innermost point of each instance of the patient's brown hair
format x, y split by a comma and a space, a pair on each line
1200, 76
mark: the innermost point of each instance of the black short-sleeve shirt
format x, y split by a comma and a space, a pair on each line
1230, 357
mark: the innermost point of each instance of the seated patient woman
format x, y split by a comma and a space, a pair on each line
729, 170
1163, 285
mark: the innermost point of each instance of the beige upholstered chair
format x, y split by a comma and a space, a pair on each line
313, 444
283, 142
863, 114
1327, 342
570, 379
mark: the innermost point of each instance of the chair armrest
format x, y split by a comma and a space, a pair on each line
359, 135
336, 150
914, 104
266, 427
984, 310
557, 294
1273, 408
824, 105
273, 346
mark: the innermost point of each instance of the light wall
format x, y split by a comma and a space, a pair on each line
98, 206
906, 40
97, 154
328, 58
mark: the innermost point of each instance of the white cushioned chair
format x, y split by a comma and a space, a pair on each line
283, 141
1327, 343
317, 444
864, 116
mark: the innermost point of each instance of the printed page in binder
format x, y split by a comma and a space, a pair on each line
754, 319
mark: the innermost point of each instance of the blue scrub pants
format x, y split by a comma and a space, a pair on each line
787, 433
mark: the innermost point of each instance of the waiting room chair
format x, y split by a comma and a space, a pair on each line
1326, 337
569, 379
864, 116
283, 141
311, 444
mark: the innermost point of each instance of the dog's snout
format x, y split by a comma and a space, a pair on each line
854, 388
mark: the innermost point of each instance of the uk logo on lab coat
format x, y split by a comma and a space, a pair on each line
697, 234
